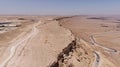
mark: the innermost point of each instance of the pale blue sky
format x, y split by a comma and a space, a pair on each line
41, 7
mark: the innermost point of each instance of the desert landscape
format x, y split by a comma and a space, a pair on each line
59, 41
59, 33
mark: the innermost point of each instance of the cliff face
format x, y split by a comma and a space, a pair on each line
76, 54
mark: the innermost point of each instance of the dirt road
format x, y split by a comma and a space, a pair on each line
97, 59
95, 43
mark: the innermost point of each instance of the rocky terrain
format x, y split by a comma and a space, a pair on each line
56, 41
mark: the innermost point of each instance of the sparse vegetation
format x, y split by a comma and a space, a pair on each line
21, 19
102, 25
118, 26
97, 18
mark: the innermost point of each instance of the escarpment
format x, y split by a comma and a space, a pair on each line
75, 54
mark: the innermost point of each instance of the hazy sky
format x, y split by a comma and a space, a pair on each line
39, 7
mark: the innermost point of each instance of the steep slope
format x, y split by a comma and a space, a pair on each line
76, 54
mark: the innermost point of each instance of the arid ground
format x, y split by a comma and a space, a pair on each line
59, 41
